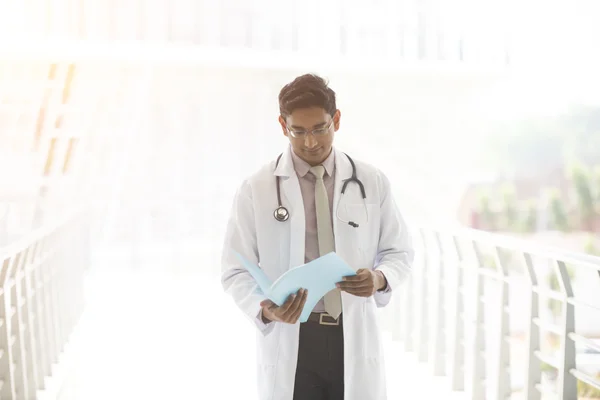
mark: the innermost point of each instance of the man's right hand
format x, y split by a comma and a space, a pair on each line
288, 312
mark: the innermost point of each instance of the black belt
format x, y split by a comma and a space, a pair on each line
324, 319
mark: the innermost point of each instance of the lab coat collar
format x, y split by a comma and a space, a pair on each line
302, 167
286, 165
343, 168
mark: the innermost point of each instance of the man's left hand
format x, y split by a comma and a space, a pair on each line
364, 284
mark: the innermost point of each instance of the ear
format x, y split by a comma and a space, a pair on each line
283, 125
336, 119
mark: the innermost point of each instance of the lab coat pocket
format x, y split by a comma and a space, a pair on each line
366, 234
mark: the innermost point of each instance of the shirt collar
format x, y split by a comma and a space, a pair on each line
302, 167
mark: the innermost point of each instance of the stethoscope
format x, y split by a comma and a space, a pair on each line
282, 214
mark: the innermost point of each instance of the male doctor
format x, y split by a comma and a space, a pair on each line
337, 353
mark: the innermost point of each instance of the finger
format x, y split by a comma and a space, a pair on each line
355, 285
281, 311
297, 297
298, 312
298, 307
366, 282
266, 303
268, 310
292, 307
357, 278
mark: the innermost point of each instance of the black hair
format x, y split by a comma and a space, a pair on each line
306, 91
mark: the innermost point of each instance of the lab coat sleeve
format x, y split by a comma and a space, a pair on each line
237, 282
395, 252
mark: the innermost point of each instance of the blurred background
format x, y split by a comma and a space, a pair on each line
135, 122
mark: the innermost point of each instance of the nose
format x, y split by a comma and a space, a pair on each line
310, 141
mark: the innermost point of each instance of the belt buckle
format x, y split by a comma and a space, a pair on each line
321, 322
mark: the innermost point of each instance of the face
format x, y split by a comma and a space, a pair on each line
311, 131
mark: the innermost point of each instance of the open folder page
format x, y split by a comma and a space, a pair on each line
318, 277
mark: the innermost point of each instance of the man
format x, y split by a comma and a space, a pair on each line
337, 353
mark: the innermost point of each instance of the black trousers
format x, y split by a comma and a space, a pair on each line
320, 370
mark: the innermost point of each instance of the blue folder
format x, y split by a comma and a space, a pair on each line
318, 277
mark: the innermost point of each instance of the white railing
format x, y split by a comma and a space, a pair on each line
473, 310
41, 299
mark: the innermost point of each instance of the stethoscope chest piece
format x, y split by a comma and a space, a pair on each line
281, 214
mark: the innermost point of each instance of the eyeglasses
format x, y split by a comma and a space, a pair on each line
316, 132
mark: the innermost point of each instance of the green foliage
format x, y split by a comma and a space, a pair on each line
585, 197
560, 219
590, 247
511, 207
531, 215
583, 185
544, 367
587, 391
596, 183
500, 208
488, 217
489, 262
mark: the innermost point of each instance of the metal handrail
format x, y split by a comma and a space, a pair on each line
585, 378
25, 241
457, 262
585, 341
40, 302
516, 244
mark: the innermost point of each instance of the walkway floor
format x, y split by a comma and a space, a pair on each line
158, 336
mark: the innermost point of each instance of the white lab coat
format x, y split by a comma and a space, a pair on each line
383, 243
